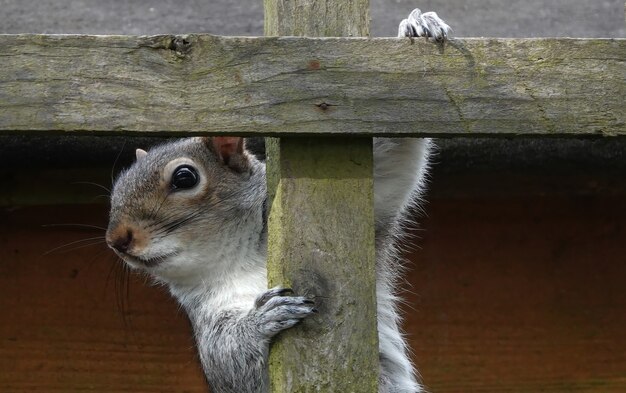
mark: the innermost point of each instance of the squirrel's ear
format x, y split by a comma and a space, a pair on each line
140, 154
230, 151
227, 146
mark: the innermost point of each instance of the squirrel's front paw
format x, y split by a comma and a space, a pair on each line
278, 310
427, 24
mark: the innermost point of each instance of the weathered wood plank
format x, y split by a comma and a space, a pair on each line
320, 18
321, 231
276, 86
321, 243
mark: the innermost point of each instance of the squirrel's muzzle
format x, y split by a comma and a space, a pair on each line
120, 240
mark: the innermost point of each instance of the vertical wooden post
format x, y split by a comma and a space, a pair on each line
321, 230
317, 18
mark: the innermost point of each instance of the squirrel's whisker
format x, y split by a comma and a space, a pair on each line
94, 184
89, 239
74, 225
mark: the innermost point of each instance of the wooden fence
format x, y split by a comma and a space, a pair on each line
175, 85
324, 98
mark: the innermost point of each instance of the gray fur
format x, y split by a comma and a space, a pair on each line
234, 344
208, 245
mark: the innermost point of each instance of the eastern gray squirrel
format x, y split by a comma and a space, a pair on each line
192, 214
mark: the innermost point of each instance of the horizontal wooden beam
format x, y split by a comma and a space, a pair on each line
290, 86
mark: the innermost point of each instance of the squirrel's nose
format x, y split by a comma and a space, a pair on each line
121, 241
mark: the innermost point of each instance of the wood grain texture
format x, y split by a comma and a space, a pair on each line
321, 242
321, 230
319, 18
510, 294
520, 294
276, 86
73, 321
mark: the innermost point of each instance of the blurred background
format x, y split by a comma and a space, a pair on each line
517, 270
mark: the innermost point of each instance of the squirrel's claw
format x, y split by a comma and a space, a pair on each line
427, 24
273, 292
277, 312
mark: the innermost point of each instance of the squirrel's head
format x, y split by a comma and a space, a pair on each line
179, 205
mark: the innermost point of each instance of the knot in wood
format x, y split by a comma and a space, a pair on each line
323, 106
180, 45
314, 65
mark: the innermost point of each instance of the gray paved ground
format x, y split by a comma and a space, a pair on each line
511, 18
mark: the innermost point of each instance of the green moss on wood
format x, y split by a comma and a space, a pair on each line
321, 227
252, 86
321, 243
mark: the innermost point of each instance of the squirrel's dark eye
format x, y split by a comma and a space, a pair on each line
184, 177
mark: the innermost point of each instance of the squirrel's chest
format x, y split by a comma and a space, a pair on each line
236, 291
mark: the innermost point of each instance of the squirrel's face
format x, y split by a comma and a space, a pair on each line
177, 202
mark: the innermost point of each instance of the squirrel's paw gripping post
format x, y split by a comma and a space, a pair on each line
426, 24
277, 312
